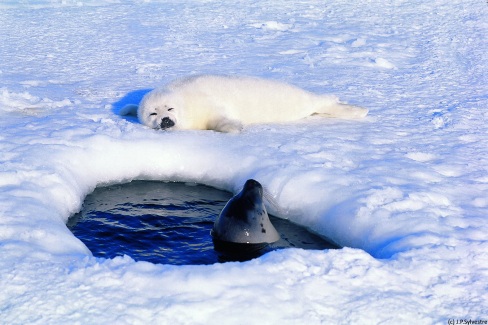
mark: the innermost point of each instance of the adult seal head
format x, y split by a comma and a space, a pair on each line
244, 219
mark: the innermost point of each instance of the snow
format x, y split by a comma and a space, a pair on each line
404, 190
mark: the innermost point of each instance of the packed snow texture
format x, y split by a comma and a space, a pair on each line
405, 190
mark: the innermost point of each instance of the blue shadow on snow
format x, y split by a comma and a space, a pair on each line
133, 97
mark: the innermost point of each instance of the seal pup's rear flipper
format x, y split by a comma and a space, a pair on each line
129, 109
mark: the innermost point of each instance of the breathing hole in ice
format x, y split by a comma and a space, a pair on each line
167, 223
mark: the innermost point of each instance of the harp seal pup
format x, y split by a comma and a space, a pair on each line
228, 103
244, 219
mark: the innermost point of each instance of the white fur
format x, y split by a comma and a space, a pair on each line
227, 104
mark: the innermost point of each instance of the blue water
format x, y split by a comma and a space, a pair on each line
166, 223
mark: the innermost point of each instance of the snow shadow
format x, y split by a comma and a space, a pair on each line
133, 97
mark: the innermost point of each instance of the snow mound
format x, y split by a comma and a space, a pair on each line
27, 103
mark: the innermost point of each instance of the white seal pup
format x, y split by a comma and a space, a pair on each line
227, 104
244, 219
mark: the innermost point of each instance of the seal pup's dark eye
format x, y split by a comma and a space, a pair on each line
170, 109
152, 114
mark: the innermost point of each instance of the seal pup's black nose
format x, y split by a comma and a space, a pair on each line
166, 123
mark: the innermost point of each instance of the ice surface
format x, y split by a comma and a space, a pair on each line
405, 190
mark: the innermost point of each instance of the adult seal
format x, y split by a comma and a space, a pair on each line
244, 221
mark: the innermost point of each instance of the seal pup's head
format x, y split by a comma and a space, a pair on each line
244, 219
159, 110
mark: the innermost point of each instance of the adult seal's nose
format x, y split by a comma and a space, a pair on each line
166, 123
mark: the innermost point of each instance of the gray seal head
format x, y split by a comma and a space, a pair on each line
244, 219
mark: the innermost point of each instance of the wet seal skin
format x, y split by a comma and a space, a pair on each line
243, 226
